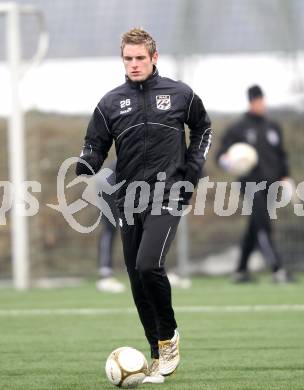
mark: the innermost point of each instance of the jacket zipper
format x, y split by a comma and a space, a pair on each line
141, 87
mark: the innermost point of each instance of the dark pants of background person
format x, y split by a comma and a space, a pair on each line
145, 245
105, 247
258, 234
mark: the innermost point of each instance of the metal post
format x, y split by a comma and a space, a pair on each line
183, 247
182, 232
16, 136
17, 161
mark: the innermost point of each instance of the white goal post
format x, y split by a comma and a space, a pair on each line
16, 137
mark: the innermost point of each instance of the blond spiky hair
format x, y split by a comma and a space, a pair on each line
138, 36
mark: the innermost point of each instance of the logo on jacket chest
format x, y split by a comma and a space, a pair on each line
163, 102
272, 137
125, 106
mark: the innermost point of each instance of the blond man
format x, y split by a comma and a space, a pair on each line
146, 118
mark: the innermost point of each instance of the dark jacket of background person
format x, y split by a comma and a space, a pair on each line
264, 135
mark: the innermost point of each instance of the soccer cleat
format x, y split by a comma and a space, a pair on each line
281, 276
153, 375
242, 277
178, 281
169, 356
110, 285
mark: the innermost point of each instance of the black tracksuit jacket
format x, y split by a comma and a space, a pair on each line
266, 137
146, 121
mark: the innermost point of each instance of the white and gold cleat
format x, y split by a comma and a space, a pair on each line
169, 356
153, 375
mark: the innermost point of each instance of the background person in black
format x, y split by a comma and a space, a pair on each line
145, 117
266, 137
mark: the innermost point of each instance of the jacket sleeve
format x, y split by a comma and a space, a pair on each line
230, 137
200, 139
284, 165
97, 142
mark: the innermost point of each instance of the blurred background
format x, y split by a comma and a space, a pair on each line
218, 47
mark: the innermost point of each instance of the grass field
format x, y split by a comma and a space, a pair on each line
49, 339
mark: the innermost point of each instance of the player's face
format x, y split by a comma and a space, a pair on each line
258, 106
137, 62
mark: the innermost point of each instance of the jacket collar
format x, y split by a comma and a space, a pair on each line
151, 80
255, 117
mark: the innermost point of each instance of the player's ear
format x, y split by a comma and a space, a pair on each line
155, 58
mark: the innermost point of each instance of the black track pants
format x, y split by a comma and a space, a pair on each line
259, 234
145, 245
105, 248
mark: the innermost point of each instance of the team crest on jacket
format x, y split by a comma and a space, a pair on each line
272, 137
163, 102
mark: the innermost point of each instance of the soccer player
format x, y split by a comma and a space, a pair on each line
265, 136
145, 117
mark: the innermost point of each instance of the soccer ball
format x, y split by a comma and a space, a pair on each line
126, 367
240, 159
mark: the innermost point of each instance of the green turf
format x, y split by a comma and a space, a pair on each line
220, 350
